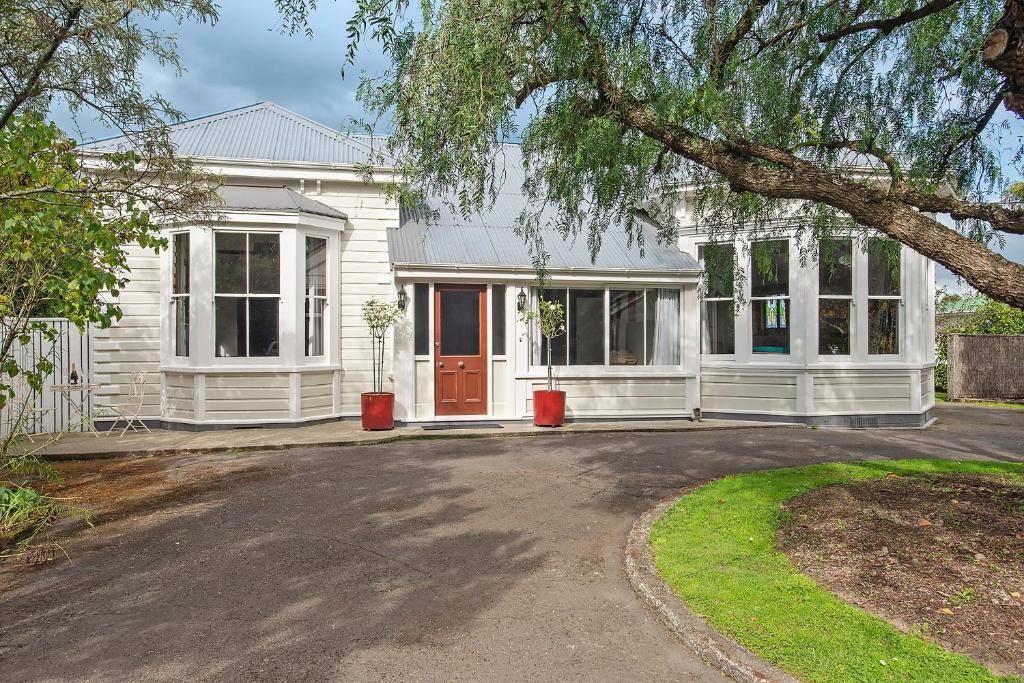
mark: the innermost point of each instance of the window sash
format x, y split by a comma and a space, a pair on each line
242, 340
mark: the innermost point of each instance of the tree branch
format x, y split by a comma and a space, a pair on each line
887, 26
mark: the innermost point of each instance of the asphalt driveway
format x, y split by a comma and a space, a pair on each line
474, 559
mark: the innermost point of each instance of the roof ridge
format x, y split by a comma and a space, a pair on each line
316, 126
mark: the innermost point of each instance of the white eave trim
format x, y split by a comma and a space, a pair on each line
410, 271
284, 219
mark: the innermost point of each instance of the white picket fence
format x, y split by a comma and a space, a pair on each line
52, 413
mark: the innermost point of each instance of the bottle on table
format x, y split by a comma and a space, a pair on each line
73, 377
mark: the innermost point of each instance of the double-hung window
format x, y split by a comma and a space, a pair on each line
718, 316
180, 288
316, 295
769, 296
628, 326
835, 296
247, 294
884, 296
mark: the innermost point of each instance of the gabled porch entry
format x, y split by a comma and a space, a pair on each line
460, 349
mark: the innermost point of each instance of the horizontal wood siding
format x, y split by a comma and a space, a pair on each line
866, 393
247, 397
604, 397
749, 393
316, 394
132, 343
179, 395
927, 386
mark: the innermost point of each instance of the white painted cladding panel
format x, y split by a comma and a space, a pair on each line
132, 344
179, 395
316, 394
755, 393
864, 393
611, 397
236, 396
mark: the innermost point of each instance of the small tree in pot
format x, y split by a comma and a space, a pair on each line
549, 405
378, 406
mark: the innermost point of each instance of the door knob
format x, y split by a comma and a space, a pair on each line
461, 364
440, 364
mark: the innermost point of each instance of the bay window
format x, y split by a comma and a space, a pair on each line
769, 296
180, 291
615, 327
247, 292
835, 297
316, 294
717, 316
884, 296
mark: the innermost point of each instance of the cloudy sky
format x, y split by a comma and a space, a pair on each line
244, 59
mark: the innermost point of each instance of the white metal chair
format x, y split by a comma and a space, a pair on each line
24, 411
129, 412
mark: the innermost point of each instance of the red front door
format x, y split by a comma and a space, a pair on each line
460, 350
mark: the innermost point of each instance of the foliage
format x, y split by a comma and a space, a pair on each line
716, 548
380, 316
24, 513
867, 112
994, 317
550, 319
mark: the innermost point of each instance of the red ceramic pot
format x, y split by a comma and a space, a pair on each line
378, 411
549, 408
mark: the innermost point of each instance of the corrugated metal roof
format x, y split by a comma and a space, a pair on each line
967, 304
257, 198
434, 235
261, 132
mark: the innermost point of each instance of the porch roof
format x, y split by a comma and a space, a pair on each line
275, 199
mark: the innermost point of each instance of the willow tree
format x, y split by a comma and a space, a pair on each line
879, 111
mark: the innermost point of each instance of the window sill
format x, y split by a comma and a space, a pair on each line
246, 369
607, 372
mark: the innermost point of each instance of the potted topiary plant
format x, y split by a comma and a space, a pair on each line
378, 406
548, 405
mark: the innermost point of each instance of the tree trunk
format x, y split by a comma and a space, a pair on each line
1004, 52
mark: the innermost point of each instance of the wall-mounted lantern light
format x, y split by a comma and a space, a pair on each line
521, 300
403, 299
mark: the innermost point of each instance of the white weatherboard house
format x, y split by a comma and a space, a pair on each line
256, 319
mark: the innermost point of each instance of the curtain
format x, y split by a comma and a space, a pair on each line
666, 328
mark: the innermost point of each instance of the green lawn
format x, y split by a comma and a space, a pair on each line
940, 397
716, 548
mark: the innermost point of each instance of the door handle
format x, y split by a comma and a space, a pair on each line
440, 364
461, 364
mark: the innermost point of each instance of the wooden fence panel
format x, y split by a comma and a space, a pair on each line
985, 366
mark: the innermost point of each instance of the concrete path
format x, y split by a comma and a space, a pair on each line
336, 433
484, 559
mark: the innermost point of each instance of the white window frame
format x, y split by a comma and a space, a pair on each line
901, 331
175, 297
308, 298
248, 358
716, 299
851, 298
537, 362
788, 297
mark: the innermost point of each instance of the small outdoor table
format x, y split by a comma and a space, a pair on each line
84, 390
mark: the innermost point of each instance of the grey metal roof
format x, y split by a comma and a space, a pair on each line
260, 132
434, 235
256, 198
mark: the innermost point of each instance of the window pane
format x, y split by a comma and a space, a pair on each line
834, 327
230, 262
771, 325
769, 268
719, 328
460, 322
883, 326
230, 323
498, 320
559, 347
663, 327
315, 308
718, 260
182, 259
883, 268
263, 327
181, 325
626, 327
264, 264
316, 266
835, 267
421, 303
586, 326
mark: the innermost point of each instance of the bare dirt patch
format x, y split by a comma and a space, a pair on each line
124, 490
940, 556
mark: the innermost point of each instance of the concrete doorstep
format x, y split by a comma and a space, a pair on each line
84, 446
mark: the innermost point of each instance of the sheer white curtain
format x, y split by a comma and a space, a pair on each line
666, 327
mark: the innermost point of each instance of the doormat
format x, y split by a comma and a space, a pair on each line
461, 425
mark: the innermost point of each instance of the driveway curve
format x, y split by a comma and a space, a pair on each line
475, 559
